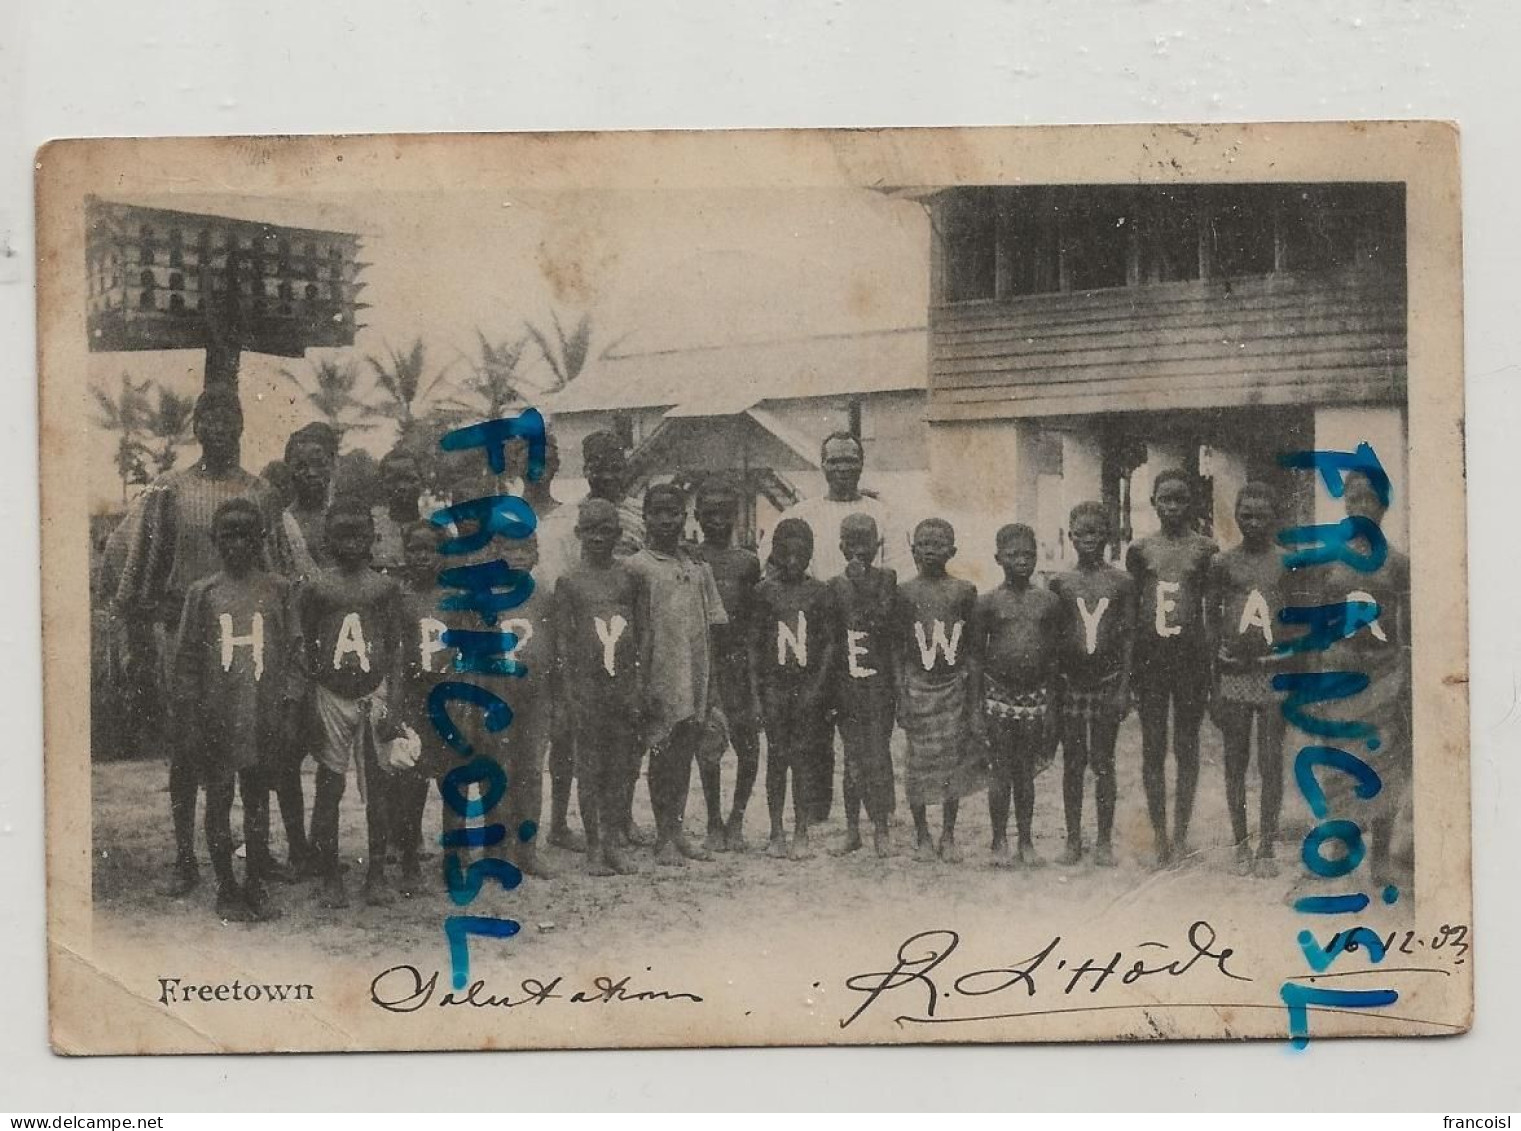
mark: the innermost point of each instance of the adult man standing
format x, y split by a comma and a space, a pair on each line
842, 459
171, 548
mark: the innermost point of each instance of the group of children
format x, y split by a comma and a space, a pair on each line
681, 652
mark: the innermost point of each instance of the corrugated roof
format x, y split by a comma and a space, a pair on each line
733, 377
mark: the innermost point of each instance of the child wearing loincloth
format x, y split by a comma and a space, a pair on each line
867, 683
938, 688
237, 688
1098, 628
1018, 631
353, 624
1246, 592
794, 643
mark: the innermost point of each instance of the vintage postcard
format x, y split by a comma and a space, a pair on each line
683, 589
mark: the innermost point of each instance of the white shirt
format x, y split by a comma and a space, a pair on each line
824, 515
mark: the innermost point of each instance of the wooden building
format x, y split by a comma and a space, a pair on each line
1082, 338
757, 411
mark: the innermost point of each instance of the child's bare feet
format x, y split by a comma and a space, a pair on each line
596, 863
716, 840
260, 906
231, 905
183, 882
801, 849
1072, 854
1180, 852
376, 892
924, 851
1264, 867
1243, 865
881, 843
776, 847
532, 863
636, 837
1103, 854
617, 861
950, 851
689, 850
1163, 856
668, 854
734, 834
852, 842
1002, 857
563, 836
332, 894
1030, 858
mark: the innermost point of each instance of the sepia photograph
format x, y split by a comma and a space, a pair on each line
628, 590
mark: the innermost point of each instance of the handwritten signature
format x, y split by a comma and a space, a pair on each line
921, 955
405, 989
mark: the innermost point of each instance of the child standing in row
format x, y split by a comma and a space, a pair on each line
737, 572
938, 704
601, 620
684, 607
1098, 629
237, 689
866, 597
353, 624
1245, 594
794, 644
1172, 669
1018, 632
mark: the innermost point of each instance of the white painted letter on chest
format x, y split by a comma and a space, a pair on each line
254, 640
1255, 614
938, 642
854, 650
351, 641
795, 642
610, 632
1091, 619
430, 641
1165, 605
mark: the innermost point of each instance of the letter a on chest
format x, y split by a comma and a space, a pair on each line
351, 642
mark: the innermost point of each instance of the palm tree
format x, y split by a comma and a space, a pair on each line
168, 422
495, 383
401, 377
569, 351
331, 391
126, 413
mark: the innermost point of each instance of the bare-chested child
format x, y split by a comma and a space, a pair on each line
867, 684
1098, 630
238, 686
1171, 571
1241, 612
425, 662
737, 572
795, 640
600, 613
353, 623
938, 706
1018, 633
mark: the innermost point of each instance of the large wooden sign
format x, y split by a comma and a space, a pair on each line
160, 279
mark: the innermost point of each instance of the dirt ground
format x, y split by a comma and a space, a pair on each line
133, 849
